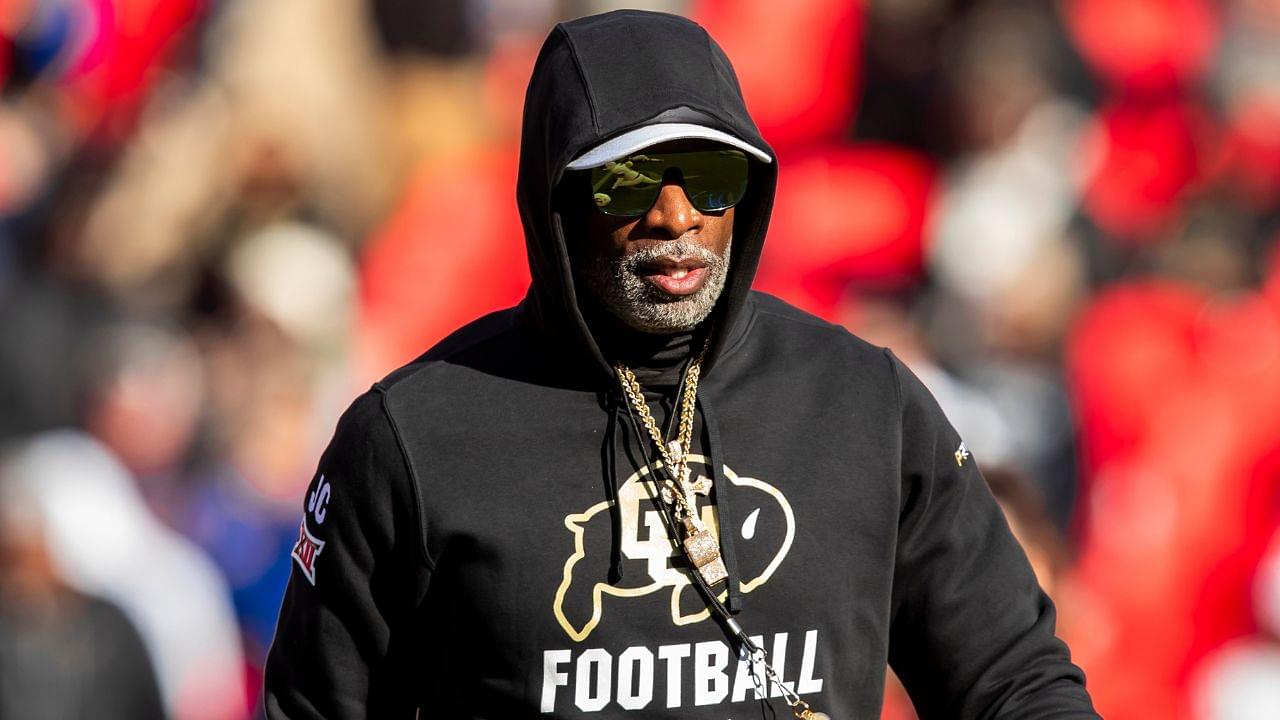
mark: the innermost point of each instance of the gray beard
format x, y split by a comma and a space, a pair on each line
616, 284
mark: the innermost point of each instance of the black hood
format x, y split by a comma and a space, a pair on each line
596, 78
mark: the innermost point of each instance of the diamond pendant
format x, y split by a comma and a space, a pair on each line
704, 553
668, 495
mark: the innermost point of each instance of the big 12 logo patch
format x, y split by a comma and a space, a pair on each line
308, 546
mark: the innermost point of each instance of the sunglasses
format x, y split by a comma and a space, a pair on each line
714, 180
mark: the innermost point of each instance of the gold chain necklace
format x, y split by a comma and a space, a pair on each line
701, 546
676, 489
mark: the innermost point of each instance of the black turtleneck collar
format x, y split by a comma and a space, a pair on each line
658, 360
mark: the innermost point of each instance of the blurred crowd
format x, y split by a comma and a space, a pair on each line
221, 219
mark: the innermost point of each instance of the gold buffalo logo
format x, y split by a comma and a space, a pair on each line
645, 542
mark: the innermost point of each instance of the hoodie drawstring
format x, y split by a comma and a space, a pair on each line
609, 461
724, 512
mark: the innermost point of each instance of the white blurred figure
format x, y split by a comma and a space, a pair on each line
1001, 244
1241, 680
106, 542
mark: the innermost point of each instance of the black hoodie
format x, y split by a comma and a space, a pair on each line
480, 540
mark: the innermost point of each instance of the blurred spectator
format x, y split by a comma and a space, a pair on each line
148, 394
104, 541
143, 388
902, 57
65, 654
923, 57
251, 143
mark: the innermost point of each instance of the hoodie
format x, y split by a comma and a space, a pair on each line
481, 538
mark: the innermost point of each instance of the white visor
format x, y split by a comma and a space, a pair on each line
629, 143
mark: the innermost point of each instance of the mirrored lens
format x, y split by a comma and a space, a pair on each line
627, 187
714, 180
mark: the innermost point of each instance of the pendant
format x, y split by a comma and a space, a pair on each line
704, 552
691, 489
802, 711
668, 495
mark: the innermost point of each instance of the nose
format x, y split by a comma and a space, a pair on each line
672, 213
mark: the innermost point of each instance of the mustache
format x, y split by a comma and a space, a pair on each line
673, 249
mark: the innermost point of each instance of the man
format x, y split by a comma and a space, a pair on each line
648, 489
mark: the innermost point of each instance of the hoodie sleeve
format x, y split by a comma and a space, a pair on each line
972, 633
360, 571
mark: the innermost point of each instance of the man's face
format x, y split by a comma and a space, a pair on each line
663, 271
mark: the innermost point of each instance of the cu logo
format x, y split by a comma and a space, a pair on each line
318, 501
579, 603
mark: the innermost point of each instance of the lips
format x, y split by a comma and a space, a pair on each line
675, 276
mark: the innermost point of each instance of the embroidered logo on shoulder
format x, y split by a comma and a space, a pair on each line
318, 500
962, 454
306, 550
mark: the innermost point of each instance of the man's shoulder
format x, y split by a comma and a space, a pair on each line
471, 362
487, 337
776, 317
